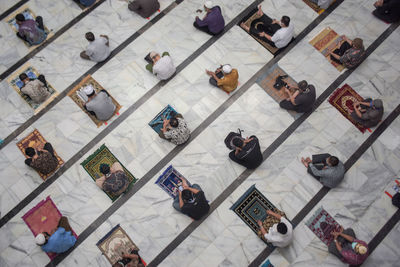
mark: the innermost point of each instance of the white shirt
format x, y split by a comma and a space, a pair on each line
283, 36
164, 68
277, 239
98, 50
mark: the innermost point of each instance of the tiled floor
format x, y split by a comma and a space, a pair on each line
147, 216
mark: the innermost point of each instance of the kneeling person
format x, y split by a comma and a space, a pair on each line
301, 100
225, 77
42, 160
247, 152
31, 31
114, 180
98, 49
162, 67
175, 130
99, 105
145, 8
280, 234
191, 201
36, 89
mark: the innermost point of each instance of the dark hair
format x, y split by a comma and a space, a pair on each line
282, 228
173, 122
30, 151
334, 161
20, 17
89, 36
23, 76
104, 168
285, 20
237, 142
187, 195
303, 85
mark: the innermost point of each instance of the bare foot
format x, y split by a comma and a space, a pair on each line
244, 27
259, 12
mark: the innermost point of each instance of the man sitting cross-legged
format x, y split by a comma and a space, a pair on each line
247, 152
29, 30
368, 113
213, 22
280, 234
99, 105
36, 89
276, 33
225, 77
175, 130
42, 159
301, 100
350, 53
327, 169
114, 180
98, 49
161, 66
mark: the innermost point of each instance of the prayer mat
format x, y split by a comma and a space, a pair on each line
28, 14
44, 217
97, 87
17, 84
251, 207
86, 7
267, 263
157, 123
327, 40
342, 99
115, 243
322, 224
35, 139
169, 181
100, 156
247, 21
315, 7
267, 81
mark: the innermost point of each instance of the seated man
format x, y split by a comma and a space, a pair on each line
348, 248
36, 89
59, 240
85, 3
98, 50
301, 100
368, 113
99, 105
162, 67
191, 201
327, 169
145, 8
247, 152
278, 34
225, 78
213, 22
280, 234
30, 30
130, 260
114, 180
324, 4
41, 159
387, 10
350, 53
175, 130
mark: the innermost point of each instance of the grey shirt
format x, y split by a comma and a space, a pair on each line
98, 50
102, 106
329, 176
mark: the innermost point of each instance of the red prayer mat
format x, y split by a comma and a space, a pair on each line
342, 99
322, 224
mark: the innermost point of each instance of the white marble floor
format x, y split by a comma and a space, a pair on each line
222, 239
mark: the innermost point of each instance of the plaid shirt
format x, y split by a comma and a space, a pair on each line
352, 57
351, 257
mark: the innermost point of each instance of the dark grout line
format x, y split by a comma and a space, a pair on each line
92, 70
48, 41
12, 9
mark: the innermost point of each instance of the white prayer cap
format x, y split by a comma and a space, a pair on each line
88, 90
208, 4
227, 68
40, 239
153, 54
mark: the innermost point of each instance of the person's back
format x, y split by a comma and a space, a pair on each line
230, 81
198, 208
98, 50
214, 20
145, 8
305, 100
250, 154
36, 90
31, 32
352, 57
330, 176
102, 106
372, 117
351, 257
283, 36
60, 241
45, 162
276, 238
116, 183
164, 68
180, 134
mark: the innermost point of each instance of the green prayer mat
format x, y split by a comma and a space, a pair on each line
100, 156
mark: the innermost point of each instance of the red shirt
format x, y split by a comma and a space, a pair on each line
351, 257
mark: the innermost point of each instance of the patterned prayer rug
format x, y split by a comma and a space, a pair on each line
115, 243
252, 206
17, 84
268, 79
28, 14
315, 7
327, 40
267, 263
169, 181
247, 21
342, 99
157, 123
97, 87
44, 217
100, 156
35, 139
322, 224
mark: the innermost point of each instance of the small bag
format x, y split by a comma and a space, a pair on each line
396, 200
230, 137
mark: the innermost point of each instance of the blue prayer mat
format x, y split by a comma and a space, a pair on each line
169, 181
267, 264
251, 207
157, 123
